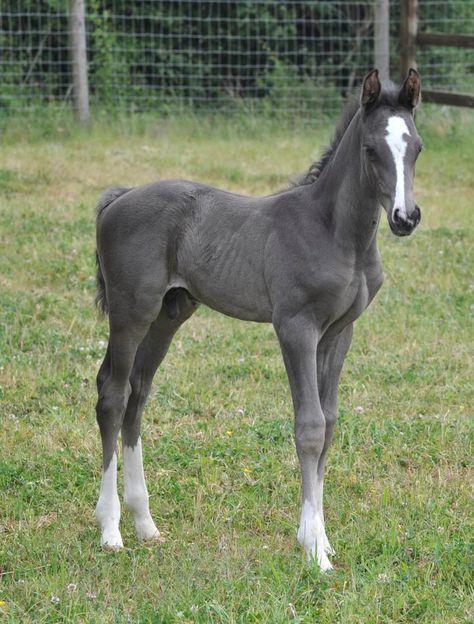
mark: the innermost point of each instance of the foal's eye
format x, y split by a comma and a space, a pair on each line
420, 147
370, 151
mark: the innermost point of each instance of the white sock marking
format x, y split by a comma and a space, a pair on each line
136, 493
312, 536
319, 504
396, 141
107, 510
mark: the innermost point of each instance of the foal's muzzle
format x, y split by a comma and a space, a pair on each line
402, 225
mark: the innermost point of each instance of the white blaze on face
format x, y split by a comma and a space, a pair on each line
396, 141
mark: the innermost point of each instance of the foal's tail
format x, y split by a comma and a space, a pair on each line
100, 298
107, 198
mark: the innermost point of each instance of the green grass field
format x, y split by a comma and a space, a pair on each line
219, 453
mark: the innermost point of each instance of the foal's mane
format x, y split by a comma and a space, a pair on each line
387, 97
315, 170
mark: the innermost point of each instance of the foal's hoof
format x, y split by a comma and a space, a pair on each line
319, 555
324, 564
111, 540
328, 549
147, 531
156, 538
153, 537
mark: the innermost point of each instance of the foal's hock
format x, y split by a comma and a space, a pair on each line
304, 259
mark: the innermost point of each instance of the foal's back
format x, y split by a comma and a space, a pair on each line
214, 243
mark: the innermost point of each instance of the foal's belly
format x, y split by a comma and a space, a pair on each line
225, 268
246, 305
234, 287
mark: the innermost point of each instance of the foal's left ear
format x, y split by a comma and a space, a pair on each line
409, 95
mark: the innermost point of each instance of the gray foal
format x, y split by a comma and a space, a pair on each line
304, 259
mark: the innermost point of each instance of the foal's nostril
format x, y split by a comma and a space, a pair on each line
417, 214
396, 215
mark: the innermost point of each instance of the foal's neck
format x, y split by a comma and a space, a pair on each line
348, 196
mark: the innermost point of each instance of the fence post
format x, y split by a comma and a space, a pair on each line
408, 30
77, 30
382, 38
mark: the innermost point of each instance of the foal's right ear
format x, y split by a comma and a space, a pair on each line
370, 90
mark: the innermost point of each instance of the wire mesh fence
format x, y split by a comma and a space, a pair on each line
222, 55
176, 55
447, 68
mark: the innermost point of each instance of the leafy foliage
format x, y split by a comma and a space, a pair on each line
171, 55
191, 53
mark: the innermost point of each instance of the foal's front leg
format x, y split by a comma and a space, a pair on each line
298, 340
330, 359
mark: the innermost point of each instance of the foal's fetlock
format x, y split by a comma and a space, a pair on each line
144, 525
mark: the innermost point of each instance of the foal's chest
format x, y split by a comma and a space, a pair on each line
354, 299
361, 297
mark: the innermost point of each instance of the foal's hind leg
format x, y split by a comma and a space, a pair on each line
176, 309
114, 390
330, 356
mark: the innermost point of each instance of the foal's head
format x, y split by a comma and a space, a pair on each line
390, 147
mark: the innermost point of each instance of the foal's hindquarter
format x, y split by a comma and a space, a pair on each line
304, 259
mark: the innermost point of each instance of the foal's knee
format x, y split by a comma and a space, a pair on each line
102, 375
310, 435
111, 403
140, 384
330, 416
104, 370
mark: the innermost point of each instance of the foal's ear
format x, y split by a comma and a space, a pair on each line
409, 95
370, 89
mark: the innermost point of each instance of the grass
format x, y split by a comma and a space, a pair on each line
219, 453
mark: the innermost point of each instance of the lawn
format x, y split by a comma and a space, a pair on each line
218, 435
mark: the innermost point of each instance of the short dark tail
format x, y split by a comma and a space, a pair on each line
107, 198
100, 298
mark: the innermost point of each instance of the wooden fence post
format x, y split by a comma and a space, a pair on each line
77, 30
408, 30
382, 38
